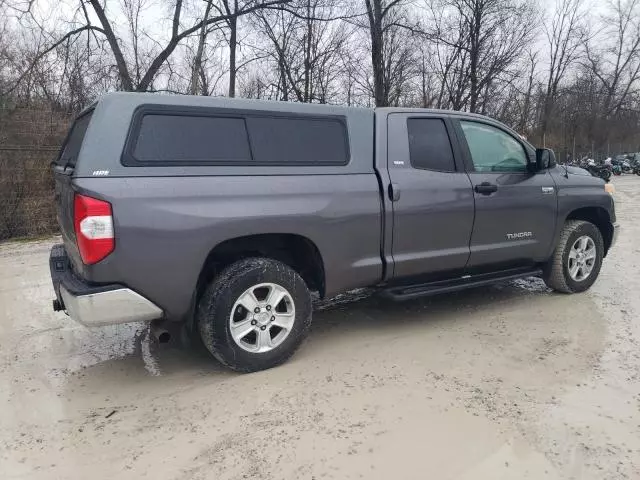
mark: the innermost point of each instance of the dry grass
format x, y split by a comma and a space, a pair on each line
29, 140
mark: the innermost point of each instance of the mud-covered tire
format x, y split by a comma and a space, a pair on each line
556, 271
217, 302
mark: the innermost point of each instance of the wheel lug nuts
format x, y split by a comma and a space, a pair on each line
256, 310
253, 322
263, 328
268, 307
273, 318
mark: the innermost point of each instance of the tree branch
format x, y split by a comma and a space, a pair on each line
176, 39
125, 76
56, 44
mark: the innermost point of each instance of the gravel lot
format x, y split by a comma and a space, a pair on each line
509, 381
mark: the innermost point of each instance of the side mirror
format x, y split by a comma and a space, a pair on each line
545, 158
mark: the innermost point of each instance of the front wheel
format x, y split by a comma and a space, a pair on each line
254, 314
576, 262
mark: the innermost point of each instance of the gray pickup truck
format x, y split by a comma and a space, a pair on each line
225, 214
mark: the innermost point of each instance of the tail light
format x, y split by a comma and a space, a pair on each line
93, 224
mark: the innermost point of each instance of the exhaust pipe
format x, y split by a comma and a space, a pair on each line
159, 333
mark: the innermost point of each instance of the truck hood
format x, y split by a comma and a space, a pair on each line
577, 171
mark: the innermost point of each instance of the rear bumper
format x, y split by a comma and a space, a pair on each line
96, 305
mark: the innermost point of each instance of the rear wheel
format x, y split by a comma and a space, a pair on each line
255, 314
576, 262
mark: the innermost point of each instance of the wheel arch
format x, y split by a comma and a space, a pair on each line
294, 250
600, 217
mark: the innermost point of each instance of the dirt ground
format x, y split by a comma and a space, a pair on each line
504, 382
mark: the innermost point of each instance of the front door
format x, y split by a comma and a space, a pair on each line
432, 196
515, 209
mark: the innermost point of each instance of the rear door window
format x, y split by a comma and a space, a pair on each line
429, 145
71, 148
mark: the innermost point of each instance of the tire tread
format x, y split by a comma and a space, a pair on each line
554, 275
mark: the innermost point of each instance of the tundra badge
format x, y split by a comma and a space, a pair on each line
516, 236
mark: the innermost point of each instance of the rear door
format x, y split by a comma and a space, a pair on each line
431, 194
64, 193
515, 209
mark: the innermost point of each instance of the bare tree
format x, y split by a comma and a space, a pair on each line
448, 56
479, 46
565, 35
384, 18
196, 69
615, 60
525, 116
231, 9
177, 35
132, 11
305, 46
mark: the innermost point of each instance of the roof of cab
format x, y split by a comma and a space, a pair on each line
432, 111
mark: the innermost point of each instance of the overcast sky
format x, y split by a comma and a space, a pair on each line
156, 17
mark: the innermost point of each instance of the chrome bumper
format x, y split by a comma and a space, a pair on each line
109, 308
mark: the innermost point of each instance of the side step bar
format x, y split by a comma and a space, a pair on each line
408, 292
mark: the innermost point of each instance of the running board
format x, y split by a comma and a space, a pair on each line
408, 292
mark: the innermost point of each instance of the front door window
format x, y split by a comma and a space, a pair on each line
493, 150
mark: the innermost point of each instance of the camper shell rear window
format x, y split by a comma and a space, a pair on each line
71, 147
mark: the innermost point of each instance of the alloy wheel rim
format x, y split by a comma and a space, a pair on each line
582, 258
262, 317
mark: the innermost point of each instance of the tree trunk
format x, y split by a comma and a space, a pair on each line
527, 97
474, 57
197, 61
374, 14
307, 55
283, 80
233, 45
423, 83
121, 64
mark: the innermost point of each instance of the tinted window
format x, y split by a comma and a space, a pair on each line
71, 148
192, 139
493, 150
278, 140
429, 145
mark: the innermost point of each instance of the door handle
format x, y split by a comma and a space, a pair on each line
486, 188
394, 192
